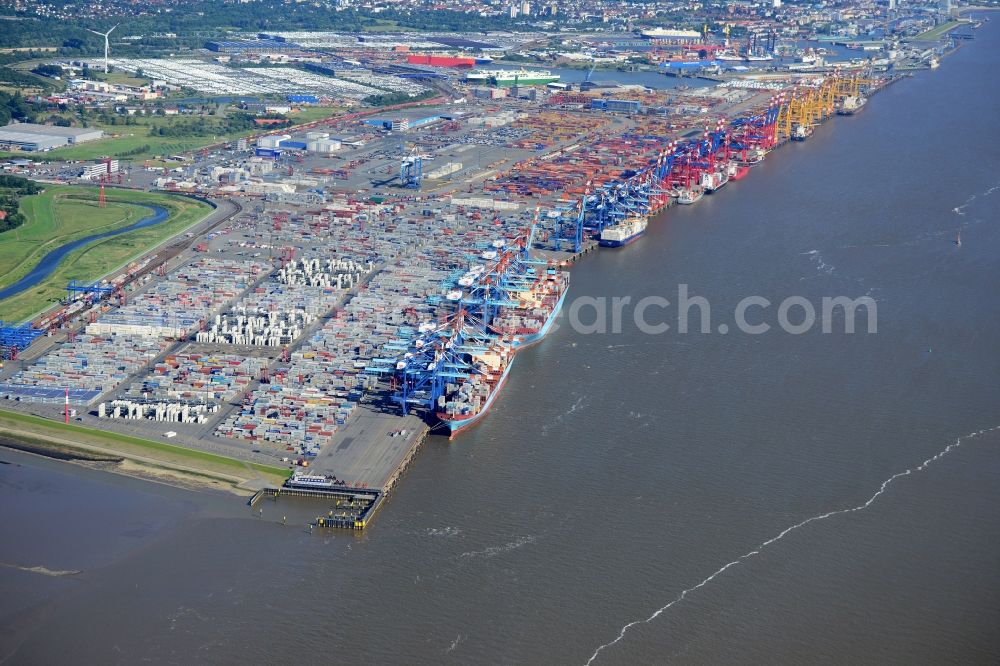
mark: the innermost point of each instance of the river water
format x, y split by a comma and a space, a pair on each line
53, 258
710, 477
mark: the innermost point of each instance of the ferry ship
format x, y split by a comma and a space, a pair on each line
729, 56
511, 77
623, 233
466, 401
307, 481
532, 318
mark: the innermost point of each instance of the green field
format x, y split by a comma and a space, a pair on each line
141, 449
938, 32
125, 141
62, 214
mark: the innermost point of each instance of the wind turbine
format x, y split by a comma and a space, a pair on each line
107, 45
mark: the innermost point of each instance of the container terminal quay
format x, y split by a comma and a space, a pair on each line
369, 279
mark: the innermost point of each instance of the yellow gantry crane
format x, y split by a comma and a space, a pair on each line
807, 106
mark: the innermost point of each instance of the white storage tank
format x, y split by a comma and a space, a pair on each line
323, 146
272, 141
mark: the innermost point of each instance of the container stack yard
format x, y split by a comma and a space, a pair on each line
174, 307
363, 295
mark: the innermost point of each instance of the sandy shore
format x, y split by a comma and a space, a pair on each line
111, 460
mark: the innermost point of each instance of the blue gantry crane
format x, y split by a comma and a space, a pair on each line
426, 362
15, 339
76, 287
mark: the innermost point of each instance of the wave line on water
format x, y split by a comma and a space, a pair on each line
493, 551
45, 571
756, 551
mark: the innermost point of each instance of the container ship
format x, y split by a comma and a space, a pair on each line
714, 180
623, 233
688, 195
737, 171
751, 157
511, 77
801, 132
531, 319
468, 400
851, 105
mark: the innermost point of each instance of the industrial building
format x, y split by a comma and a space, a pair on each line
10, 140
401, 124
271, 146
435, 60
252, 46
73, 135
99, 169
33, 138
616, 105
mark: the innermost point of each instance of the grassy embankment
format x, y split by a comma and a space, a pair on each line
938, 32
34, 429
62, 214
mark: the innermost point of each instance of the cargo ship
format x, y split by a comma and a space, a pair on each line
511, 77
801, 132
531, 319
688, 196
714, 180
751, 157
468, 400
851, 105
736, 171
623, 233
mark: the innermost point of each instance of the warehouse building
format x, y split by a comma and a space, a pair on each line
10, 140
252, 46
32, 137
401, 124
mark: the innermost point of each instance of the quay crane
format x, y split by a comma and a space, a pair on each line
411, 170
15, 339
568, 218
89, 290
427, 361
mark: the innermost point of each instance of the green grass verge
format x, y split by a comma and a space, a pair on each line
62, 214
53, 218
309, 114
126, 445
938, 32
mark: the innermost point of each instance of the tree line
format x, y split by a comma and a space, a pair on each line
12, 188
